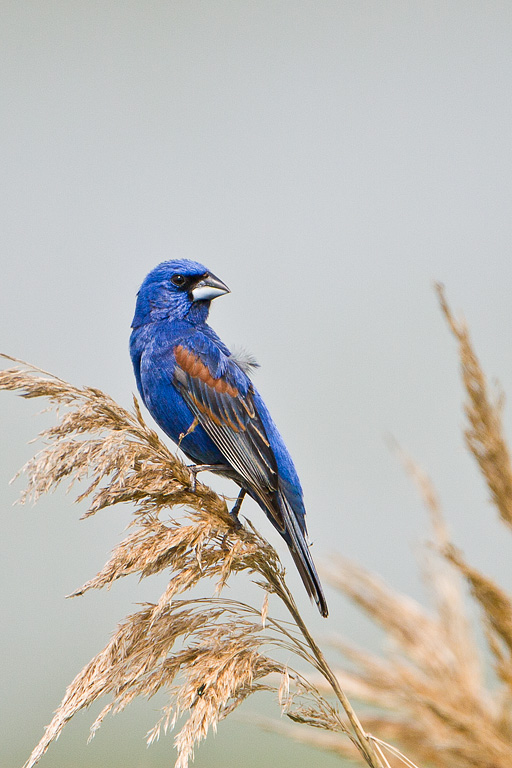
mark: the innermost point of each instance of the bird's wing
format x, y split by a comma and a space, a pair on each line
231, 420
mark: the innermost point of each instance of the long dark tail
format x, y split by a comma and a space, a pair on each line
301, 555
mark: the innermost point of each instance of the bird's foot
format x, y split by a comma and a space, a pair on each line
196, 468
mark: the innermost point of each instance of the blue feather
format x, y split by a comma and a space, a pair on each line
188, 378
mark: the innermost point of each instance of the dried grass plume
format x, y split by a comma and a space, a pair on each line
433, 694
207, 654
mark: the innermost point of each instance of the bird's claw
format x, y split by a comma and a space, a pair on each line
196, 468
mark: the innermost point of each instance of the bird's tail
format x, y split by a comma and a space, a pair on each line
301, 555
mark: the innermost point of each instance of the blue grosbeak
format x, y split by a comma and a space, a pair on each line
201, 396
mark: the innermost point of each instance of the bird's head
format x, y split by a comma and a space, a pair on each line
179, 290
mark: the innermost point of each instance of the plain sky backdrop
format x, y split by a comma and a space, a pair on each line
328, 161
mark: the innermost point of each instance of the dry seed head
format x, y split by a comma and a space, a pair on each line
484, 434
207, 654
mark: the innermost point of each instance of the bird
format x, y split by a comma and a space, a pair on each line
203, 398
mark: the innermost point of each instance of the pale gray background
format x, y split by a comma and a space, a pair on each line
328, 160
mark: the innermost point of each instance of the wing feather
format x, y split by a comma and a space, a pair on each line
231, 420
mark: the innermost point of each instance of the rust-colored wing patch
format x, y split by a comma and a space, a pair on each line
231, 420
192, 365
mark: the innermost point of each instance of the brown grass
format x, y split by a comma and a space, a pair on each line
484, 432
432, 694
208, 654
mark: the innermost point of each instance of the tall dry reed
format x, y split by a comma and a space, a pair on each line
208, 654
432, 693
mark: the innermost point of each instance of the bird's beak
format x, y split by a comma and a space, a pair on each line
208, 288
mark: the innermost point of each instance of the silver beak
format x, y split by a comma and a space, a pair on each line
208, 288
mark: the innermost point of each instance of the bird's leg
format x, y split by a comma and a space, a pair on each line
236, 507
196, 468
233, 513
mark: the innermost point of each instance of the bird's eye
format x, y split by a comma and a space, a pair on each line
178, 280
